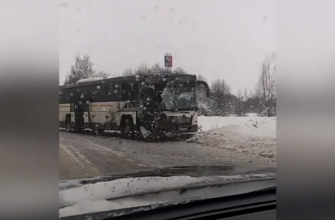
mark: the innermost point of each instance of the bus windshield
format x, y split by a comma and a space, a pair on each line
182, 98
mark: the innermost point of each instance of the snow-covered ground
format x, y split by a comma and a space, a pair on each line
251, 137
259, 126
237, 141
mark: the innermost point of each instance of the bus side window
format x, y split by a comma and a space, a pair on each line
114, 92
100, 93
92, 94
128, 91
64, 97
61, 99
84, 96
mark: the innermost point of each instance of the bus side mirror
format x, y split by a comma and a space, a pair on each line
203, 83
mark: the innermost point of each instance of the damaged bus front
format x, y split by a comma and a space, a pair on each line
168, 105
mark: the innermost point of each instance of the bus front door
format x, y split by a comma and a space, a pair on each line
77, 114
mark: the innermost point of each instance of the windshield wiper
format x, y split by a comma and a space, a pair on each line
194, 171
268, 189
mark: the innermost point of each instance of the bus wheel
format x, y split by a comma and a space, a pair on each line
99, 131
127, 127
68, 126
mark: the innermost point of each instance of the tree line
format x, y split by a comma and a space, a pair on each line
222, 102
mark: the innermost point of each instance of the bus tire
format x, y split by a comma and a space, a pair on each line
127, 127
99, 131
68, 125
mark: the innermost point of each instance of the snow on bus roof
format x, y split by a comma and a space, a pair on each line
116, 79
89, 79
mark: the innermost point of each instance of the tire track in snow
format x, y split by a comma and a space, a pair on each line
117, 153
83, 158
73, 156
80, 159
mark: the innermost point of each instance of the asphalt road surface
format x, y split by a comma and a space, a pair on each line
86, 155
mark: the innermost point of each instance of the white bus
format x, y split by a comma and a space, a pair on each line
148, 106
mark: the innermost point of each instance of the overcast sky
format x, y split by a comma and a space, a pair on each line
226, 39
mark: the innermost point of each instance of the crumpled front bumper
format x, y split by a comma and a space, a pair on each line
176, 123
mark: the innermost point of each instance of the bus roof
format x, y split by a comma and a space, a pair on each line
115, 79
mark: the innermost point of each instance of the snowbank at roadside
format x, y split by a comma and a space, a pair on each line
253, 125
252, 139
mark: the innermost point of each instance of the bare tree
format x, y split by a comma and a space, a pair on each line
179, 70
239, 107
251, 94
128, 72
201, 78
102, 74
156, 69
142, 69
82, 69
220, 92
245, 96
266, 87
239, 95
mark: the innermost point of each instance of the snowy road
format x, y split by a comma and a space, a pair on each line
84, 155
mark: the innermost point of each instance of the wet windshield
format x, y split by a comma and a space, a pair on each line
160, 85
